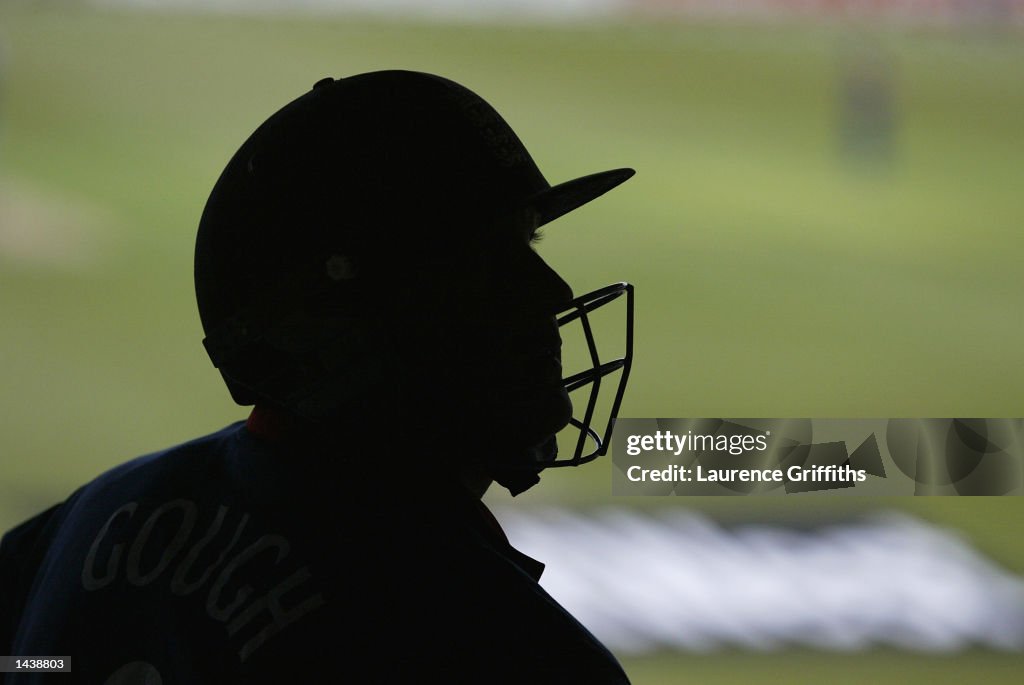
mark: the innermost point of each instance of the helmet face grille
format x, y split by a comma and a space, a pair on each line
590, 444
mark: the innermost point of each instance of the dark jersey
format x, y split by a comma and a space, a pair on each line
236, 559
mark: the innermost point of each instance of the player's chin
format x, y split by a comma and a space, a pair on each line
531, 415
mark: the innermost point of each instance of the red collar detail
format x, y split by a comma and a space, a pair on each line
271, 424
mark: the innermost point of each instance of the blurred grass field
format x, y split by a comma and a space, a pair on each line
775, 276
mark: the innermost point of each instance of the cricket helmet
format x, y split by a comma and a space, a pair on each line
326, 201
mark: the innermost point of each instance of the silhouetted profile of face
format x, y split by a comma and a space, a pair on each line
477, 344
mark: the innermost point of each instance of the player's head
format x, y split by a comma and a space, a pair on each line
365, 259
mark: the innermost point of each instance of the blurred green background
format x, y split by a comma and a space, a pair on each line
826, 222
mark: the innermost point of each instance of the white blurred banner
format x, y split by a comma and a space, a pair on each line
679, 581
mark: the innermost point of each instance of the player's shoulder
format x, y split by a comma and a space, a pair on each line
145, 471
192, 467
192, 460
